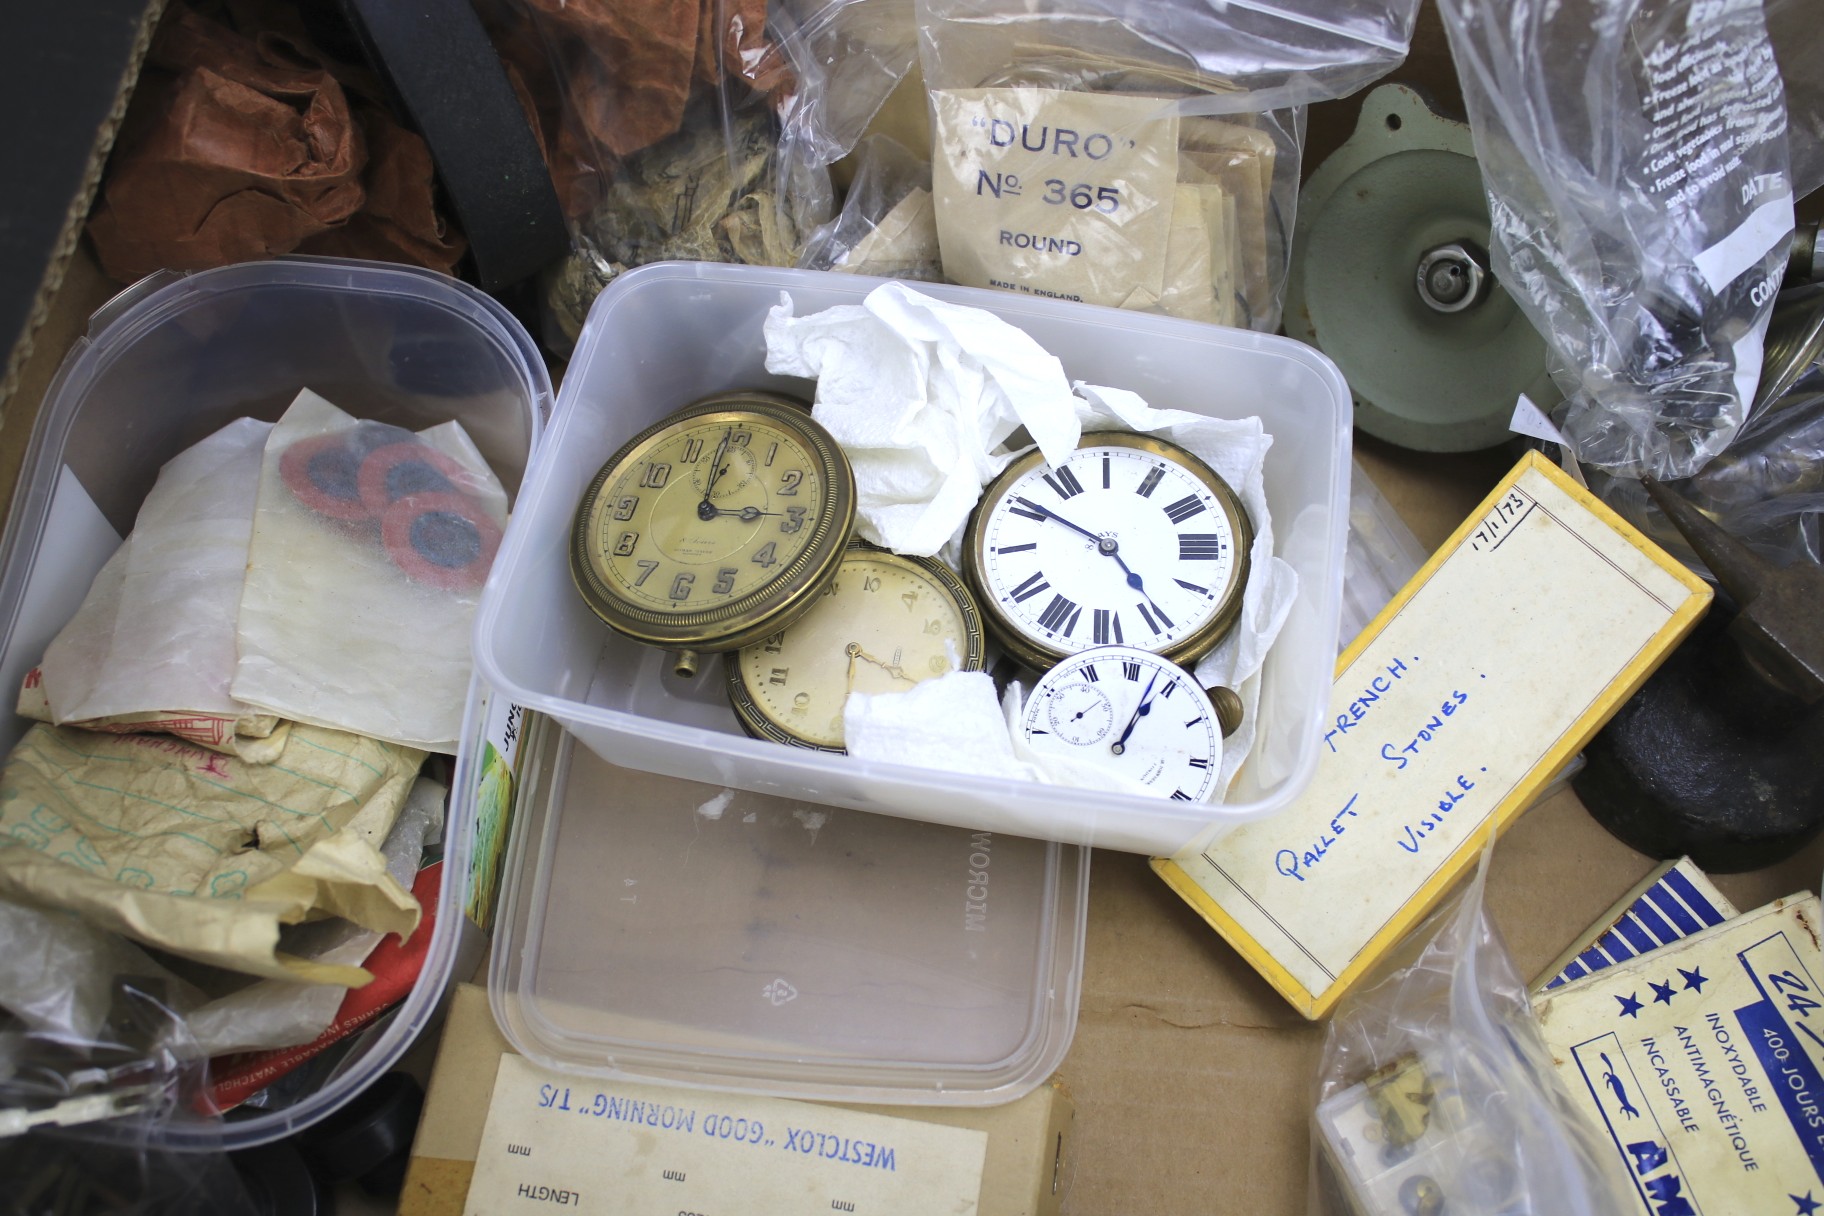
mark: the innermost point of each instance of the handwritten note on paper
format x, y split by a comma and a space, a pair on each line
1475, 685
619, 1148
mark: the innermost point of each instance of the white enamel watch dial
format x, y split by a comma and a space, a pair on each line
1131, 541
1132, 712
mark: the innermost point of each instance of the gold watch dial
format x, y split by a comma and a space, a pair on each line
884, 625
1130, 541
716, 525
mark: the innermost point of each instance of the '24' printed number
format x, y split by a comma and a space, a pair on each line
1790, 986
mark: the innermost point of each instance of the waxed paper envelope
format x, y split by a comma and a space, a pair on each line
1240, 159
370, 546
203, 854
152, 647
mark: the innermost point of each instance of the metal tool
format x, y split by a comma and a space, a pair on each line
1391, 277
1716, 756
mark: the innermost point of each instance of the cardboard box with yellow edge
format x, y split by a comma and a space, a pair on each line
1470, 691
1026, 1173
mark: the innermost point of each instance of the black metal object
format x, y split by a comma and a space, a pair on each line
448, 85
1720, 755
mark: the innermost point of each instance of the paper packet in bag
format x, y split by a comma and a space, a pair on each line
370, 547
202, 854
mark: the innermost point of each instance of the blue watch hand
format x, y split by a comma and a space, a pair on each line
1140, 711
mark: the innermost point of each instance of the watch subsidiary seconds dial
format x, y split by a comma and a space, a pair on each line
1131, 541
885, 624
715, 527
1132, 712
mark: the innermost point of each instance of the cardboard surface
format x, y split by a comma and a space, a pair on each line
1191, 1078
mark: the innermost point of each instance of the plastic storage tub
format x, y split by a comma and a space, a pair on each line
659, 929
175, 358
668, 333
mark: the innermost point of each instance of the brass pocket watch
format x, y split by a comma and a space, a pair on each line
716, 526
1131, 541
885, 624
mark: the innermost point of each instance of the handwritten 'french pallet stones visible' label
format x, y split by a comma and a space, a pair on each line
1704, 1064
1472, 688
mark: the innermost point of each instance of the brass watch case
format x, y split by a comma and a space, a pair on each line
1040, 655
760, 724
769, 607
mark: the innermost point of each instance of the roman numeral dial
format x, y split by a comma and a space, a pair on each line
1131, 540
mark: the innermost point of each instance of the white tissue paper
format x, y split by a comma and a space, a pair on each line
922, 395
156, 630
352, 616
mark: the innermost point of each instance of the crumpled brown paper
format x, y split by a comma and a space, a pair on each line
621, 73
202, 854
242, 146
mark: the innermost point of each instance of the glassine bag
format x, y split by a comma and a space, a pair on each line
1140, 155
1636, 162
370, 547
700, 130
1436, 1093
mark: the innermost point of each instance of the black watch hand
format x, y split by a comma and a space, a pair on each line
748, 513
716, 469
1140, 711
1048, 513
1105, 545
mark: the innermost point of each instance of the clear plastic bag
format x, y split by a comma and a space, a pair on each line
1635, 157
1142, 154
887, 227
1436, 1093
694, 129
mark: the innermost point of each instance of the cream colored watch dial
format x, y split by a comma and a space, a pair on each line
886, 624
706, 515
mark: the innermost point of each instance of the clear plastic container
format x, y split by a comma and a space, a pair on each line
659, 929
173, 359
668, 333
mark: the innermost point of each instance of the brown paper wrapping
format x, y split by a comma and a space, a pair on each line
243, 146
605, 80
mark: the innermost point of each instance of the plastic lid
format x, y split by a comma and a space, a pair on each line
660, 929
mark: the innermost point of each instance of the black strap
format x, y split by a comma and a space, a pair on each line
445, 76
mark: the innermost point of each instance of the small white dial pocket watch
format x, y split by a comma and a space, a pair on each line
1131, 712
1131, 541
